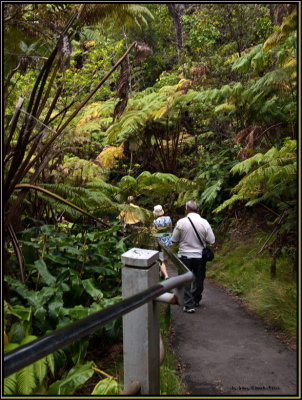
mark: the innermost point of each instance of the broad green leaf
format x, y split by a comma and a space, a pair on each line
76, 377
47, 229
71, 250
54, 308
10, 347
58, 259
79, 351
45, 294
28, 339
23, 46
76, 283
17, 286
46, 276
24, 313
91, 289
17, 332
77, 312
40, 314
105, 387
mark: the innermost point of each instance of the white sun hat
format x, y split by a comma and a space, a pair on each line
158, 210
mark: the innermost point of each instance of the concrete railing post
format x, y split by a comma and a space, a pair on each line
141, 326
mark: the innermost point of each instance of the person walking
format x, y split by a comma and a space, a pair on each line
129, 219
190, 251
163, 225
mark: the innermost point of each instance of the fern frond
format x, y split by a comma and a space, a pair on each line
243, 64
122, 14
40, 370
26, 381
144, 179
229, 203
210, 193
110, 154
269, 176
10, 385
225, 108
184, 185
62, 200
50, 360
162, 178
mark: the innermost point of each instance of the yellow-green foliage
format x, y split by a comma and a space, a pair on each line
110, 154
151, 107
77, 169
288, 25
96, 116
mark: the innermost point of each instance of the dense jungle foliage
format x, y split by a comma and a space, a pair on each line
163, 102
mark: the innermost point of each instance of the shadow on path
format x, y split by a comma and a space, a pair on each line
226, 351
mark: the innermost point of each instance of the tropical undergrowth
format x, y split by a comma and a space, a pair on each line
170, 381
70, 273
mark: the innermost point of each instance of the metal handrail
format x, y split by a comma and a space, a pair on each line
39, 348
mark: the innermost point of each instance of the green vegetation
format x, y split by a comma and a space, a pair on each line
240, 268
170, 383
162, 102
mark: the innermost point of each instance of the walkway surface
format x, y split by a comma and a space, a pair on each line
226, 351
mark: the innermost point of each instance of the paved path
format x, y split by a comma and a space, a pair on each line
226, 351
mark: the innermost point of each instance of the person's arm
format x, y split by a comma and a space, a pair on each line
175, 235
170, 226
210, 237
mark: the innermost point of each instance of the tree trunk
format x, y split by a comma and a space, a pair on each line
273, 267
175, 11
272, 14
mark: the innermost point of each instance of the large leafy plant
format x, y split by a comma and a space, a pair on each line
270, 179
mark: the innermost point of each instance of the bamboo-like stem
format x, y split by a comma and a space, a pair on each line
24, 171
17, 251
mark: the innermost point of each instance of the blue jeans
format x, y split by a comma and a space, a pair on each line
193, 290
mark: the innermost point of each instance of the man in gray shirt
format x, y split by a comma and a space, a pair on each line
190, 252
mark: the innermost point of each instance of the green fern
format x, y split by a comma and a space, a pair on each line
243, 64
10, 385
120, 14
210, 193
268, 177
27, 380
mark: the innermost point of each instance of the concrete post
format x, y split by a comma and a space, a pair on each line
141, 326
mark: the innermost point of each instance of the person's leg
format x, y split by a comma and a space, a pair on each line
188, 298
163, 268
199, 270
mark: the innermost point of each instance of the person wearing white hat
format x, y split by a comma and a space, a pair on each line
163, 226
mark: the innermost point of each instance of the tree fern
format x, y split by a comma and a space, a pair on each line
110, 154
210, 193
121, 14
268, 177
243, 64
78, 198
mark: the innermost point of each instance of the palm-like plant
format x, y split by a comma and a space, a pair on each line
29, 143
